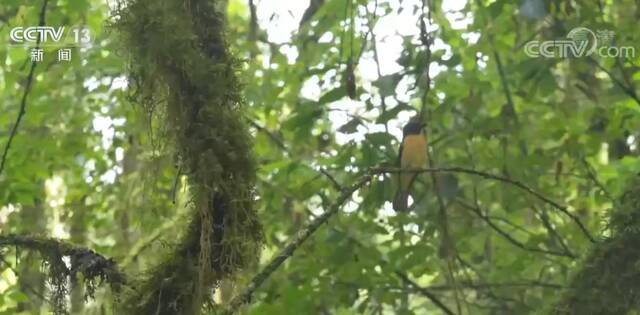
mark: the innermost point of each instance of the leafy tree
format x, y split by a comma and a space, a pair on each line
209, 157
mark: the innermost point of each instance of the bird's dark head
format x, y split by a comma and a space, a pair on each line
414, 127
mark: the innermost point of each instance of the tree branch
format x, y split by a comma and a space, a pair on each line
311, 227
424, 291
629, 90
84, 260
508, 236
27, 89
512, 182
312, 9
292, 245
253, 22
426, 40
26, 286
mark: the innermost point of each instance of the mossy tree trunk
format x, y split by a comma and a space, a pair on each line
182, 73
609, 280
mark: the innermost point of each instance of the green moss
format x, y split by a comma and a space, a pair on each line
183, 75
95, 268
609, 280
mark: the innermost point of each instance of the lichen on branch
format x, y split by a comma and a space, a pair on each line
95, 268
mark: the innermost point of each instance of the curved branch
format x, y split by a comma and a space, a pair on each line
508, 236
311, 227
510, 181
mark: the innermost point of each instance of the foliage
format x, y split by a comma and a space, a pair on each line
608, 280
324, 90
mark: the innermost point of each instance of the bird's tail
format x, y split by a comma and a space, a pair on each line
401, 200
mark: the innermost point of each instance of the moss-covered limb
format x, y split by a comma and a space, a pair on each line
609, 280
292, 245
83, 260
182, 73
94, 267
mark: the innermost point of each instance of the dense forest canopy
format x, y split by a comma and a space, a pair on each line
242, 156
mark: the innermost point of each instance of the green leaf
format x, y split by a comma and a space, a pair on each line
351, 126
333, 95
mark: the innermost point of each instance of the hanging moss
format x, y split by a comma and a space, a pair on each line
95, 268
183, 75
609, 280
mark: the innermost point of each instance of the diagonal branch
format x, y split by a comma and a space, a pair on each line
312, 9
424, 291
406, 280
27, 89
26, 286
629, 90
292, 245
305, 233
508, 236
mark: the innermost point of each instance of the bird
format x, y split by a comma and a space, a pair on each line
412, 155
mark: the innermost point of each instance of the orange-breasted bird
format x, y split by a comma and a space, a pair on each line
412, 155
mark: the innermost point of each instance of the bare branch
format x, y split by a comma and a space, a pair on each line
629, 90
292, 245
512, 182
306, 232
508, 236
312, 9
424, 291
405, 279
426, 41
25, 94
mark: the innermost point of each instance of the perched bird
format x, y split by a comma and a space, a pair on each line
412, 155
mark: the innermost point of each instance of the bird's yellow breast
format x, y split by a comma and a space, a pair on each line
414, 152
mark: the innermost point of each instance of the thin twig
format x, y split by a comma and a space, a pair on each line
505, 85
513, 182
630, 91
508, 236
404, 277
27, 89
26, 286
591, 173
311, 227
270, 134
426, 40
424, 291
332, 179
276, 140
544, 218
